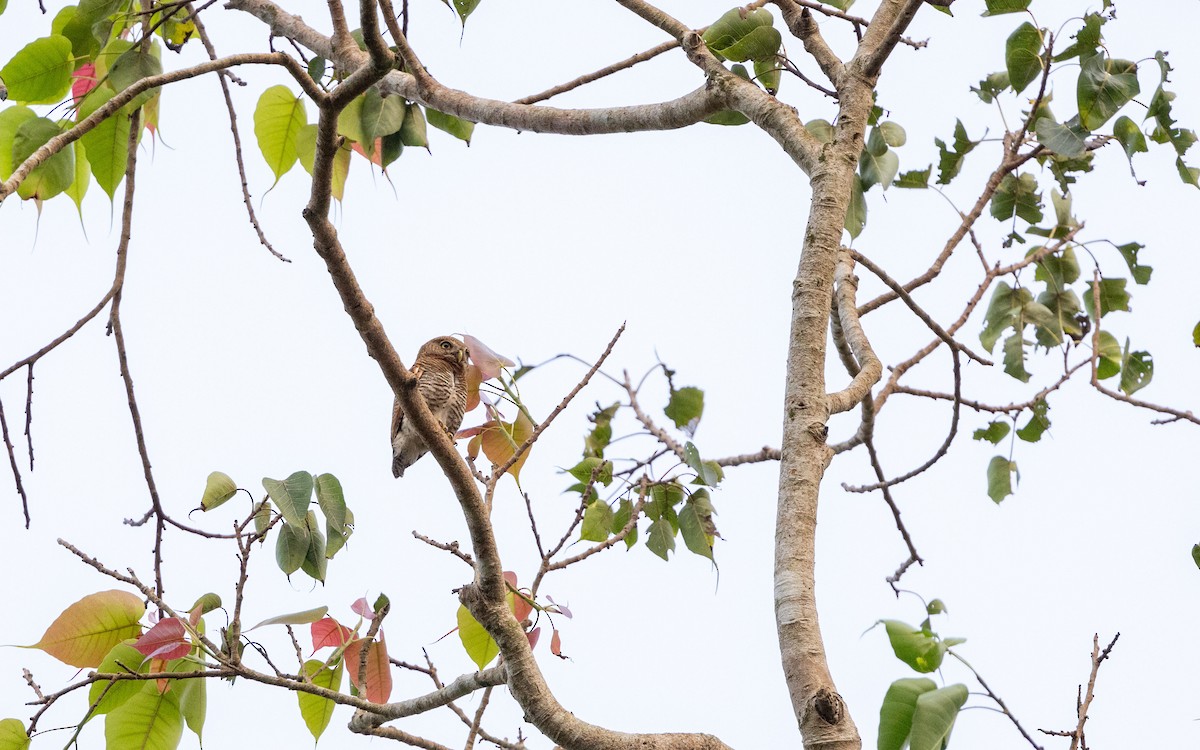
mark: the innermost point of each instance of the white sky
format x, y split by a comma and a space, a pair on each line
545, 244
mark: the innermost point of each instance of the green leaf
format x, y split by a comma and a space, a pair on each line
707, 472
291, 546
769, 73
1110, 356
315, 560
822, 130
150, 720
293, 618
1060, 139
892, 134
338, 536
83, 176
896, 712
316, 68
1129, 251
991, 87
661, 538
1087, 39
131, 67
597, 521
192, 696
685, 408
695, 522
741, 35
1196, 335
915, 179
1017, 196
331, 500
856, 212
413, 132
1130, 137
459, 128
934, 717
1014, 357
1003, 311
621, 518
380, 116
40, 73
1137, 370
10, 120
1000, 473
107, 144
292, 495
993, 433
727, 117
465, 8
1023, 56
999, 7
1105, 85
950, 161
110, 694
52, 176
12, 731
1112, 297
1195, 559
88, 629
217, 490
315, 710
1038, 423
915, 647
480, 646
278, 118
584, 469
877, 169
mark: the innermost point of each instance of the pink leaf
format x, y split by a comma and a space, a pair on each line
488, 362
361, 608
562, 609
166, 640
533, 635
85, 81
556, 645
330, 632
379, 673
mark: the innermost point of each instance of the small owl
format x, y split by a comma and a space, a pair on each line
440, 369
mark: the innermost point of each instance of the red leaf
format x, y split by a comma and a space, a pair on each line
85, 81
379, 673
166, 640
330, 632
533, 635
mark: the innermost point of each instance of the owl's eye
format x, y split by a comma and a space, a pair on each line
447, 345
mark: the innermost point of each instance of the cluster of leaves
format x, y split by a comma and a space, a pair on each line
300, 543
498, 437
103, 632
742, 36
95, 50
679, 504
877, 165
482, 648
916, 713
376, 126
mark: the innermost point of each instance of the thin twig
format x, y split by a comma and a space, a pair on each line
998, 701
452, 547
12, 460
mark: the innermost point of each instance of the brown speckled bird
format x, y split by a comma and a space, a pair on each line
440, 368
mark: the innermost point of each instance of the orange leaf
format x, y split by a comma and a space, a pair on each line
501, 440
474, 378
88, 629
556, 645
379, 673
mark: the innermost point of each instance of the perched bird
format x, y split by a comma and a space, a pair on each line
440, 369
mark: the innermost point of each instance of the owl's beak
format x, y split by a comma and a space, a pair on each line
462, 355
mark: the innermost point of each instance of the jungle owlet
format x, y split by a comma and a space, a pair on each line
440, 368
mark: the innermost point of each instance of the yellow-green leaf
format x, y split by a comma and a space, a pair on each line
52, 176
150, 720
12, 735
278, 118
218, 489
11, 119
109, 695
315, 710
41, 72
479, 645
88, 629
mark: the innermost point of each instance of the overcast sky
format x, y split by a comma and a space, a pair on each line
544, 244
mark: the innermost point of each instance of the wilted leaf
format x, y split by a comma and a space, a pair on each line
217, 490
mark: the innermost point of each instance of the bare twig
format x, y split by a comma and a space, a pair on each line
1084, 702
998, 701
12, 460
451, 547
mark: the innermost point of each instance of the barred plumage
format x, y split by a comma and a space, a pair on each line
440, 368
